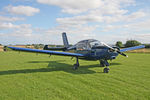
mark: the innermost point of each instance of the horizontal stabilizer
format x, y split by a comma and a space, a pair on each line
132, 48
54, 48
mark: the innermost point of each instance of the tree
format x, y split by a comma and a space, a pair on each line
119, 44
131, 43
38, 46
147, 45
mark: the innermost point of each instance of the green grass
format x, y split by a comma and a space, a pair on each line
28, 76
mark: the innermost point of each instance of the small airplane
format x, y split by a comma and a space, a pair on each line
89, 49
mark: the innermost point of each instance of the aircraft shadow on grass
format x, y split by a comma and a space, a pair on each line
56, 66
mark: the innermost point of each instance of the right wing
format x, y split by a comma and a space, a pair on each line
132, 48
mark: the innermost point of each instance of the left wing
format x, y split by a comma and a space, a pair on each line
132, 48
47, 52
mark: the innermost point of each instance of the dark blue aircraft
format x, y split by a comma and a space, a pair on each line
89, 49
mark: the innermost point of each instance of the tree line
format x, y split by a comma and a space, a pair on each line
130, 43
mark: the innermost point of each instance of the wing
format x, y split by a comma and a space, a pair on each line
47, 52
132, 48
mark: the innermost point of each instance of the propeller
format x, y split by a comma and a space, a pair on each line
115, 50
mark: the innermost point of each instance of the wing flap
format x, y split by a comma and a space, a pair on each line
46, 52
132, 48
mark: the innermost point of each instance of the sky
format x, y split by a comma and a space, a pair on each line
43, 21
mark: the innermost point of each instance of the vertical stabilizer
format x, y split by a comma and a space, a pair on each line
65, 40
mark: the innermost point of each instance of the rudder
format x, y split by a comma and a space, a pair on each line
65, 40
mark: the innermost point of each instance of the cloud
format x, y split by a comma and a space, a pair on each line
107, 11
16, 34
8, 26
131, 27
17, 30
78, 20
105, 20
135, 15
76, 7
76, 34
95, 18
10, 19
73, 6
22, 10
138, 26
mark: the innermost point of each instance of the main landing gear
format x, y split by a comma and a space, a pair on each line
104, 63
77, 64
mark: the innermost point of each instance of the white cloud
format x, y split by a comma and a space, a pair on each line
76, 7
22, 10
75, 34
135, 15
131, 27
105, 20
10, 19
17, 30
8, 26
93, 17
73, 6
102, 11
79, 20
139, 26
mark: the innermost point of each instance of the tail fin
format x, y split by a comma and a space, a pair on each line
65, 40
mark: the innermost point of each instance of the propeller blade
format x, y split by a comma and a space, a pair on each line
118, 51
121, 53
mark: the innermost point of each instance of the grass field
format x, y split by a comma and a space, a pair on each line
28, 76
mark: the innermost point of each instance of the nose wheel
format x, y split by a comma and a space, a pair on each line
104, 63
106, 70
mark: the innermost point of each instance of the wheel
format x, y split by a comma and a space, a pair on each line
75, 66
106, 70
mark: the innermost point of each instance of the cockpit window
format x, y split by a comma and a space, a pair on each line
81, 46
88, 44
96, 43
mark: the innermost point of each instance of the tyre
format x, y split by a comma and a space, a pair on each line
106, 70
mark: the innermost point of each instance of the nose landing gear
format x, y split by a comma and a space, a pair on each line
106, 70
104, 63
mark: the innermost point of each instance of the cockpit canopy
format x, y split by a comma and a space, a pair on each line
88, 44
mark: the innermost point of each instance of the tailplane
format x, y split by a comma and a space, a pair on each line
65, 40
